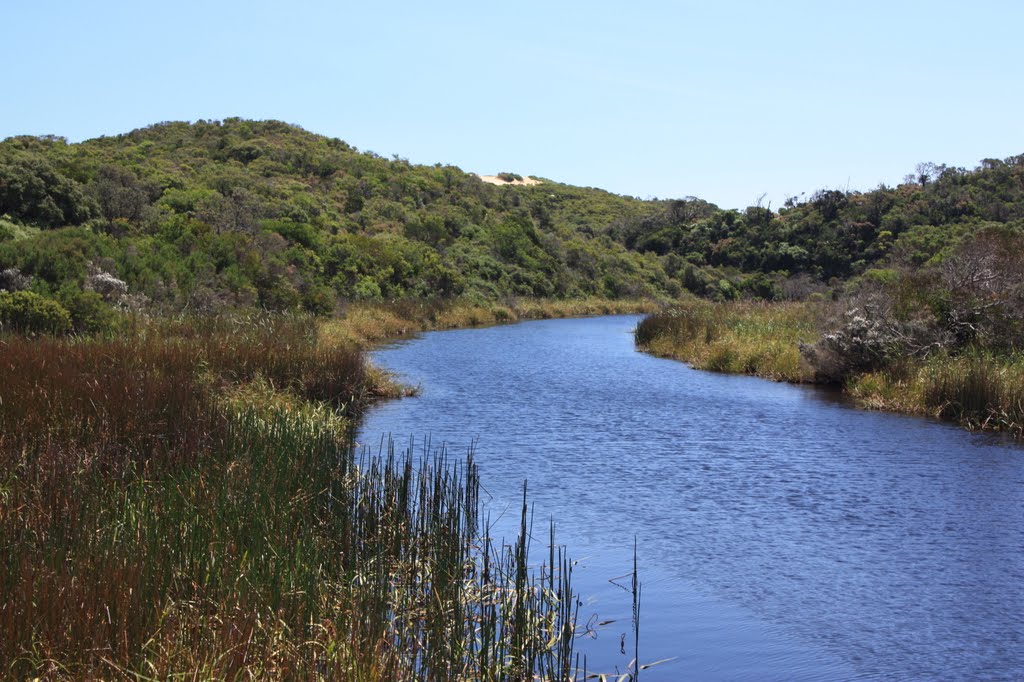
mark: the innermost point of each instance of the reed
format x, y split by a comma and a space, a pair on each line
978, 390
185, 501
741, 338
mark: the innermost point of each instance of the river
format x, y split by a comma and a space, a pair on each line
781, 534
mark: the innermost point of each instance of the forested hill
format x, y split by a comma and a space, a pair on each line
244, 213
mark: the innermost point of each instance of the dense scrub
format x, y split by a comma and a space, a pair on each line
262, 214
230, 214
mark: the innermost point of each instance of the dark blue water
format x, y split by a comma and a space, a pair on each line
781, 534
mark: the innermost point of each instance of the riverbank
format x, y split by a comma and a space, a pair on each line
760, 339
183, 499
366, 324
976, 389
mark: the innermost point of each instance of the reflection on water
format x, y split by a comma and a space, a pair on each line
782, 534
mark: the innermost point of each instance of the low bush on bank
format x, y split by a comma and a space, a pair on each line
30, 313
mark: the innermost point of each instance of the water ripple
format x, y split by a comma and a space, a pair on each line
782, 534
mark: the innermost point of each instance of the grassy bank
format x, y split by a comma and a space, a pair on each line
182, 500
977, 389
739, 338
368, 323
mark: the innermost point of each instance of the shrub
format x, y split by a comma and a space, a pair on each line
110, 288
28, 312
89, 313
319, 300
11, 279
859, 343
871, 335
367, 288
280, 295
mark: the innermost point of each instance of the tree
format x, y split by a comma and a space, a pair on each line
34, 192
119, 194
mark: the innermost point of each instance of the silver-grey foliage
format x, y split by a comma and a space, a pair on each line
11, 279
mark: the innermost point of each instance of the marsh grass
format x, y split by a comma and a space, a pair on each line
740, 338
185, 502
979, 390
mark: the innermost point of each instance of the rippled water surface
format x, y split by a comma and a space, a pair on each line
781, 534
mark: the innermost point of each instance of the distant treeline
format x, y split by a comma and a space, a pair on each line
239, 213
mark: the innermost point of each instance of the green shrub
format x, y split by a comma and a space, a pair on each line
319, 300
279, 295
296, 233
28, 312
89, 313
367, 288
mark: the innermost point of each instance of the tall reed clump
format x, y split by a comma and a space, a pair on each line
289, 353
742, 337
979, 390
185, 502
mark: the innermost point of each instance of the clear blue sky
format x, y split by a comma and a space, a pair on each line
722, 100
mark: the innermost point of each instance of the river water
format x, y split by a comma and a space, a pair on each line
781, 534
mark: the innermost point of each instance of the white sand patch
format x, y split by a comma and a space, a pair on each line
495, 180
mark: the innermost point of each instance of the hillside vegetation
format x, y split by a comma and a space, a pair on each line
241, 213
211, 215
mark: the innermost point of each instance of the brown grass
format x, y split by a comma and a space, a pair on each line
183, 502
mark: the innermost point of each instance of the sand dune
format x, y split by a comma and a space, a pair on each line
495, 180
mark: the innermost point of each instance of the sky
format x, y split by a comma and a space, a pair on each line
732, 102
